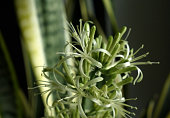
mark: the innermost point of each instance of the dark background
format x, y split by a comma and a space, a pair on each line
150, 23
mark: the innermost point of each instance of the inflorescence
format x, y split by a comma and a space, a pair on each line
96, 77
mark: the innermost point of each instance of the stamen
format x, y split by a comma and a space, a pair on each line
144, 63
41, 93
48, 98
139, 49
131, 99
140, 57
127, 51
72, 27
35, 87
128, 34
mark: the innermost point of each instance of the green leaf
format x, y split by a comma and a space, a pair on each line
29, 27
110, 12
14, 102
52, 19
163, 100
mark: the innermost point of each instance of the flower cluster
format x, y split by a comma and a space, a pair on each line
92, 85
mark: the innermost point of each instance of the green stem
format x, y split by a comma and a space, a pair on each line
63, 108
68, 77
59, 114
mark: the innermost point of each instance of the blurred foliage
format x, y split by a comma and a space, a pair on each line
7, 92
11, 95
52, 20
159, 108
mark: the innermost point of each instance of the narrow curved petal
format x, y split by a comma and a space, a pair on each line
81, 68
67, 57
93, 81
100, 50
139, 76
94, 62
83, 115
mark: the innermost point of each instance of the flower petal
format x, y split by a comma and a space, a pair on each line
100, 50
67, 57
93, 81
139, 76
83, 115
81, 68
93, 61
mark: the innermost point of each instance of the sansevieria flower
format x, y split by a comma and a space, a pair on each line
92, 88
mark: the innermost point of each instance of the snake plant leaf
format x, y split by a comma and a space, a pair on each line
52, 20
158, 108
8, 106
88, 7
108, 6
13, 102
83, 9
161, 107
53, 26
32, 37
